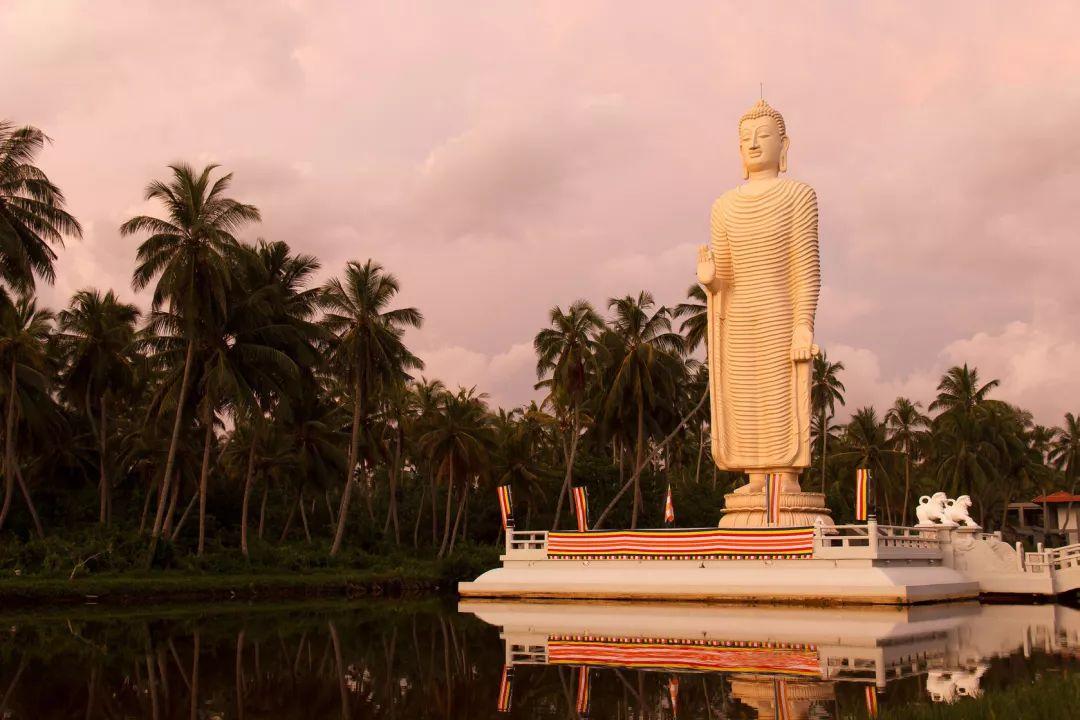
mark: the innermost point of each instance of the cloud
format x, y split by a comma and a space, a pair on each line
507, 377
504, 158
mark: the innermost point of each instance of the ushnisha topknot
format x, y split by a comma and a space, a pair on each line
763, 109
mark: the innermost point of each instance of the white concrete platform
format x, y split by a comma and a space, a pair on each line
850, 565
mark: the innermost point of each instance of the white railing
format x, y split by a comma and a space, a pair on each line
1055, 559
527, 544
873, 541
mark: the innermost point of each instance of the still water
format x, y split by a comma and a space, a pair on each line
409, 660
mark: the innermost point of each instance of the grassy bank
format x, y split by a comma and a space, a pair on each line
110, 570
1054, 696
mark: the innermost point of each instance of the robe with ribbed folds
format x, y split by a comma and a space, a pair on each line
765, 249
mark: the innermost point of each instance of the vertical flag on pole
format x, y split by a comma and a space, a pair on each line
506, 507
583, 691
862, 483
871, 701
504, 689
581, 507
673, 689
772, 498
780, 701
669, 508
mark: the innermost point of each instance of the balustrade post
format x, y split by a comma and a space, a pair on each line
871, 531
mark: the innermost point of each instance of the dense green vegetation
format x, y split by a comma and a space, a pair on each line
249, 417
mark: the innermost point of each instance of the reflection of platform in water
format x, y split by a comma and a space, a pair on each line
809, 649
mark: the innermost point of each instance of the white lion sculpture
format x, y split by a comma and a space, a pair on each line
957, 512
931, 509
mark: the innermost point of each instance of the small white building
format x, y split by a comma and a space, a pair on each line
1062, 514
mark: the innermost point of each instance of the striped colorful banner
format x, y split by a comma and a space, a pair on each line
676, 544
799, 661
581, 507
505, 687
506, 506
780, 700
871, 701
773, 481
669, 508
584, 691
862, 487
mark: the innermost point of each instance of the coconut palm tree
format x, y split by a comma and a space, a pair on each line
24, 334
959, 390
866, 440
97, 335
567, 352
1065, 452
32, 214
187, 252
695, 326
825, 391
457, 441
907, 427
368, 349
646, 368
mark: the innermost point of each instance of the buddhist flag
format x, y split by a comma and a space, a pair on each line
669, 508
772, 498
581, 507
780, 700
862, 485
504, 689
871, 701
673, 689
583, 691
506, 507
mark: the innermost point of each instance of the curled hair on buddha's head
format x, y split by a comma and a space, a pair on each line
764, 109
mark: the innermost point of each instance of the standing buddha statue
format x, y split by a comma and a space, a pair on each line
762, 276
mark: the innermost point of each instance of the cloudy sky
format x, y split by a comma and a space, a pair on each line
504, 157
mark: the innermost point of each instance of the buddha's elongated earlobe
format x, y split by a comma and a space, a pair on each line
783, 154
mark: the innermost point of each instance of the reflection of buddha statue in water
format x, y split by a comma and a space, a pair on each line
762, 277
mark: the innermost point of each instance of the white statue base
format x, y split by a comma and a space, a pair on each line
746, 507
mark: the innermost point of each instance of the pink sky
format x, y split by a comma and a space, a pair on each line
504, 157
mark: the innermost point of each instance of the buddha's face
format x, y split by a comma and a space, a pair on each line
761, 146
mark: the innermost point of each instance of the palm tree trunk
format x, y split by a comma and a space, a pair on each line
170, 461
249, 483
638, 463
146, 504
204, 473
9, 447
569, 450
346, 493
419, 517
434, 509
907, 488
103, 480
170, 513
824, 437
457, 518
262, 510
700, 453
303, 517
183, 517
289, 520
29, 503
449, 505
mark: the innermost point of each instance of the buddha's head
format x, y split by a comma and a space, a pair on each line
763, 141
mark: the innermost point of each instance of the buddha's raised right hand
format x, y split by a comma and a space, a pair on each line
706, 267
